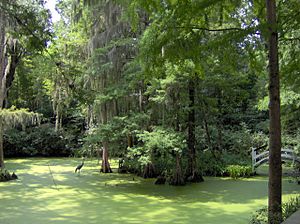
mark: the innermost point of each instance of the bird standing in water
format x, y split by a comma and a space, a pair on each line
78, 168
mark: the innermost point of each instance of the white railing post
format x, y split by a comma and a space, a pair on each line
253, 154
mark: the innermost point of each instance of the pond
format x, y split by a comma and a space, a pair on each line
48, 191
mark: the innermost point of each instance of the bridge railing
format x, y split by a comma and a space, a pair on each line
260, 158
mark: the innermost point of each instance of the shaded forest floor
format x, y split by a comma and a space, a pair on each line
118, 198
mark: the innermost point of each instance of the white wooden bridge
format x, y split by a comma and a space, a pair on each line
259, 158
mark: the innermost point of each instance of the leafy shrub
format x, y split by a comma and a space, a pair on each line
288, 208
235, 159
38, 141
292, 141
210, 165
260, 216
236, 171
158, 147
240, 141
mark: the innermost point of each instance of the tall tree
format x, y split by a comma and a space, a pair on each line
275, 169
10, 54
111, 46
16, 22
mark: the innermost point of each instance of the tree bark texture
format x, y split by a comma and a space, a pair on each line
10, 55
149, 171
275, 169
177, 179
192, 174
105, 166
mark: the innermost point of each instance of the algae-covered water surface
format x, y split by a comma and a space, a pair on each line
48, 191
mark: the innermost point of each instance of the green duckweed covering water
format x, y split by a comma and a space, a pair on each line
92, 197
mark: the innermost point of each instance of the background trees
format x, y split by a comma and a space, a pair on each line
175, 88
24, 28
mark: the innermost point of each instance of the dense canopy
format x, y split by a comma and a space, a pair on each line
177, 90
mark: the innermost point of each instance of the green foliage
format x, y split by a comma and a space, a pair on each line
236, 171
116, 132
163, 140
32, 87
240, 141
40, 141
132, 83
158, 147
288, 208
291, 140
211, 165
30, 23
260, 216
291, 206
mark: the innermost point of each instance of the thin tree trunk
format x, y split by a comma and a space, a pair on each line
192, 174
57, 115
140, 99
275, 169
2, 166
129, 140
105, 167
58, 109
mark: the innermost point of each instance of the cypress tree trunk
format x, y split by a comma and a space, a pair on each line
177, 178
149, 171
275, 169
192, 174
105, 166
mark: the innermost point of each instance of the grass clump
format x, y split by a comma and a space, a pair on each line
236, 171
288, 208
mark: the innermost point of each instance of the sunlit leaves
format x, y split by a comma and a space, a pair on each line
160, 140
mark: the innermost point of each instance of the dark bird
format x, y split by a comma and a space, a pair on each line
79, 166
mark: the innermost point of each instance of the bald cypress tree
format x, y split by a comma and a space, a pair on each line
111, 47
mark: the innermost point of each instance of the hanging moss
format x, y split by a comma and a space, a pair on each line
13, 117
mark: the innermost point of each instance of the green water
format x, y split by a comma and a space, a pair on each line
117, 198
